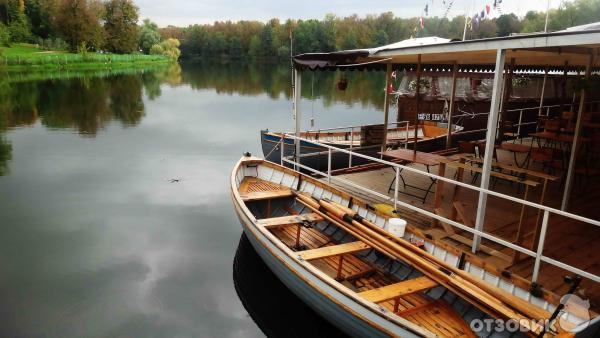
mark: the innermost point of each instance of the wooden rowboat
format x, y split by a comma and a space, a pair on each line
351, 271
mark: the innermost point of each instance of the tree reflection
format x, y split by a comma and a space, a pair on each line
365, 88
86, 102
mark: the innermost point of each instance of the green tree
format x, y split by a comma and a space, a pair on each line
19, 27
120, 26
78, 22
4, 35
254, 48
168, 48
267, 46
41, 14
507, 24
149, 35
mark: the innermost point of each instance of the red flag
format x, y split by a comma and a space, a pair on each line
422, 22
487, 9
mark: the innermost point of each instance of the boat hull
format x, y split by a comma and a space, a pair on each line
331, 304
272, 152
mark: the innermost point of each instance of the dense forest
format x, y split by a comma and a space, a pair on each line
271, 40
112, 26
80, 26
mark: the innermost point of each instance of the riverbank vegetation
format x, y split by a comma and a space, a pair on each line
78, 33
271, 40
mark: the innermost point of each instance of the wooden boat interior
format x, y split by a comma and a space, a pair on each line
267, 191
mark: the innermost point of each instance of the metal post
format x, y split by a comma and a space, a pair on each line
406, 135
396, 187
417, 97
282, 146
547, 11
386, 106
451, 108
328, 165
540, 249
351, 146
297, 112
575, 146
489, 146
519, 124
543, 90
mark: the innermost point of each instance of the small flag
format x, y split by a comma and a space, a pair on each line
422, 22
487, 9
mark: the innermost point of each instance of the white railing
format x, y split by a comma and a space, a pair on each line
547, 211
521, 110
352, 132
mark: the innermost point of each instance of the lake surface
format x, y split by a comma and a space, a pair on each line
115, 215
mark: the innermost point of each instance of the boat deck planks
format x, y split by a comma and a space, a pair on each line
255, 189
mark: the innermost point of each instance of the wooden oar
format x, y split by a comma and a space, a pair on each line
433, 270
458, 286
519, 304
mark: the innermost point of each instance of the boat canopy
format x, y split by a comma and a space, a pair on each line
567, 49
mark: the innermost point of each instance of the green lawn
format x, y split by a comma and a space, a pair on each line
26, 56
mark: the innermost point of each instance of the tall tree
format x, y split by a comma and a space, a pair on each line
19, 27
149, 35
78, 22
120, 26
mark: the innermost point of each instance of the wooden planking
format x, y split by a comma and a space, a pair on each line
266, 195
333, 250
287, 220
399, 289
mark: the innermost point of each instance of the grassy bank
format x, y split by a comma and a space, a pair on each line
26, 57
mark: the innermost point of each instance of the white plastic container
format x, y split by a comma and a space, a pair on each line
396, 226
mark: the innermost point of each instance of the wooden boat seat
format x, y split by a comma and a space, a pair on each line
289, 220
400, 289
255, 189
333, 250
266, 195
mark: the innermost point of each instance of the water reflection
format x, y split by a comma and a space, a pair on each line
365, 88
276, 310
86, 102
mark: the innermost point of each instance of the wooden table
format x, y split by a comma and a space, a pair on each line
518, 148
418, 157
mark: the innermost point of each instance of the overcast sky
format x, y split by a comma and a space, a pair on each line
186, 12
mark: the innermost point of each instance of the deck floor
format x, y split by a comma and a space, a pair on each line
569, 241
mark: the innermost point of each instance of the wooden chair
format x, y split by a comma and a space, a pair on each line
510, 132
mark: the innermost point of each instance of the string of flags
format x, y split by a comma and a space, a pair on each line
472, 22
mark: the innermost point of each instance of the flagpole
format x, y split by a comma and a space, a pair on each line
547, 10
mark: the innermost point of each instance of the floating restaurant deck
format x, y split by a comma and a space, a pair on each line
567, 240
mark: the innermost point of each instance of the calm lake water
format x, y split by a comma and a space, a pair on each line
115, 215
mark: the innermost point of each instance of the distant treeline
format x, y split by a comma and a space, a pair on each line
81, 26
271, 40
